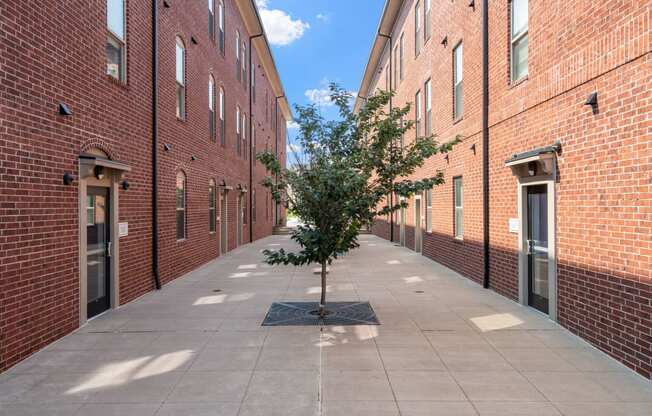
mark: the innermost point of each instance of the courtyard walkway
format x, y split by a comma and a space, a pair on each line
445, 347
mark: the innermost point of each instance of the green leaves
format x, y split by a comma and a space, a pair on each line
345, 172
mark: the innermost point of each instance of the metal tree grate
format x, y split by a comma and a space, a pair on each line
302, 313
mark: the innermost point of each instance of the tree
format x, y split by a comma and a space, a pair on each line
340, 181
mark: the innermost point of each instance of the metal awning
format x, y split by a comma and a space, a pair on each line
533, 155
90, 160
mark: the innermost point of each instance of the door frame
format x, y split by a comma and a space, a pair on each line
224, 224
418, 224
523, 273
111, 181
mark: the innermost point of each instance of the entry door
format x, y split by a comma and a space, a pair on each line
402, 228
98, 250
537, 247
224, 236
418, 231
239, 213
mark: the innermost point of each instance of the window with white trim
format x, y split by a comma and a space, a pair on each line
458, 197
222, 119
428, 91
426, 21
211, 19
244, 135
243, 65
417, 29
220, 19
458, 77
401, 62
115, 43
237, 54
417, 114
212, 206
519, 39
181, 78
181, 205
211, 107
238, 143
429, 210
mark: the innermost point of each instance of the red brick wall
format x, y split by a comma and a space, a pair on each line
604, 228
57, 55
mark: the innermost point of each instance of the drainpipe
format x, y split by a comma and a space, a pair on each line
276, 204
391, 89
155, 270
252, 152
485, 141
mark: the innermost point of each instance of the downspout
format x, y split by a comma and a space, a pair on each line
485, 142
155, 270
391, 89
252, 152
277, 211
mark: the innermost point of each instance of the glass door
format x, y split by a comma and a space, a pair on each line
537, 247
98, 250
223, 224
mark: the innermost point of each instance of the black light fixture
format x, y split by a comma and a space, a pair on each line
592, 100
445, 41
68, 178
167, 147
64, 110
98, 171
446, 158
472, 148
223, 184
193, 39
166, 4
193, 158
472, 4
126, 185
532, 168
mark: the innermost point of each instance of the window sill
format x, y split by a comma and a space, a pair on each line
183, 240
458, 239
518, 82
117, 82
458, 119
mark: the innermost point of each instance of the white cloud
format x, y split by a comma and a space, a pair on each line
324, 17
281, 29
292, 125
320, 97
293, 148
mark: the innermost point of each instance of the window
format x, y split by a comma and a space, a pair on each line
417, 114
401, 64
243, 65
519, 39
211, 19
220, 17
459, 210
222, 120
237, 54
253, 205
237, 131
253, 139
212, 205
458, 75
428, 91
115, 41
429, 210
426, 20
387, 86
396, 69
181, 80
211, 107
181, 206
253, 82
244, 135
417, 29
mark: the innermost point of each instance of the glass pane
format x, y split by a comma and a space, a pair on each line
96, 238
459, 63
459, 100
181, 98
181, 225
211, 94
115, 17
458, 192
180, 62
210, 5
519, 58
459, 223
428, 95
90, 210
519, 16
221, 16
113, 58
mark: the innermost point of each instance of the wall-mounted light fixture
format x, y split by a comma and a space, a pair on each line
445, 41
98, 171
68, 178
126, 185
64, 110
532, 168
166, 4
472, 148
592, 100
447, 158
193, 158
472, 4
193, 39
167, 147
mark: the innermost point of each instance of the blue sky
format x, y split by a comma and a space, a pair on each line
318, 41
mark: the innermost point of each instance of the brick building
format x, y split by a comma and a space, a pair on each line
122, 163
548, 198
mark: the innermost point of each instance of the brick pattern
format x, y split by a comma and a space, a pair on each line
54, 52
604, 228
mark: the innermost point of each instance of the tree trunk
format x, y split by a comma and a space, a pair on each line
322, 301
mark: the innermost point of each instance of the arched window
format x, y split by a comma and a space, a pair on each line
212, 205
181, 78
220, 19
222, 119
244, 135
181, 206
243, 64
211, 19
211, 107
